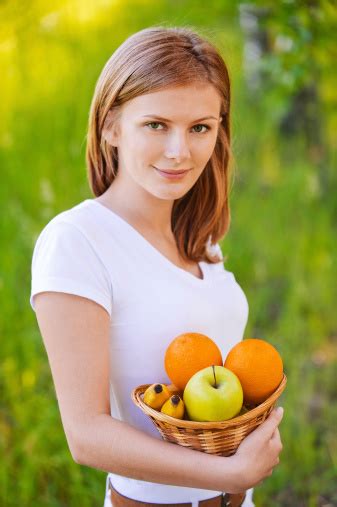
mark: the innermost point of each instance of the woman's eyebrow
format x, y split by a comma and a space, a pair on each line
170, 121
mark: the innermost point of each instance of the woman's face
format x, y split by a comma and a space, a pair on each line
174, 129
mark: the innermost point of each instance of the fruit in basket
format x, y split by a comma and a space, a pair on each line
213, 394
259, 367
156, 395
174, 407
243, 410
174, 390
189, 353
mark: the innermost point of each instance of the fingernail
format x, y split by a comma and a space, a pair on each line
279, 411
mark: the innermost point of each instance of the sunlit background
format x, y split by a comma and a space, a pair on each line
281, 245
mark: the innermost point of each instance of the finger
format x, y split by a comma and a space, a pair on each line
275, 436
268, 427
276, 441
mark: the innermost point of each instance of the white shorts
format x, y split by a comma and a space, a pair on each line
247, 503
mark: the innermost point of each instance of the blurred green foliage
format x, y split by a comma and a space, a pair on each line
281, 245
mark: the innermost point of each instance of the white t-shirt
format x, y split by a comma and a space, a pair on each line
92, 252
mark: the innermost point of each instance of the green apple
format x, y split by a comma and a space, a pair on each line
213, 394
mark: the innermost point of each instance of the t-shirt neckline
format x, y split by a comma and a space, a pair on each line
187, 274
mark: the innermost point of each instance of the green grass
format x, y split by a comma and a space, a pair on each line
281, 245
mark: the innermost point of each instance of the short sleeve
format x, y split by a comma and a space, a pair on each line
65, 261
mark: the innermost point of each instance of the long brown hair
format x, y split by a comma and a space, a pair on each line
151, 59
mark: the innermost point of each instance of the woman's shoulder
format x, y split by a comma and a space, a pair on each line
77, 215
66, 259
70, 230
79, 220
214, 250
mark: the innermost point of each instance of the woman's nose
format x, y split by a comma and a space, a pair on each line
177, 147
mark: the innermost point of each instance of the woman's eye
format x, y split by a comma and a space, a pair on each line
200, 129
154, 125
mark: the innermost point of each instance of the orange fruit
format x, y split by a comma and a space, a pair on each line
259, 367
189, 353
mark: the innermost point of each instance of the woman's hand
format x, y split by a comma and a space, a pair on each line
258, 453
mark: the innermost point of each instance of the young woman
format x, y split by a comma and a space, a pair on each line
117, 277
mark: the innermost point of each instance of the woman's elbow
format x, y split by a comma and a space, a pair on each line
77, 447
77, 455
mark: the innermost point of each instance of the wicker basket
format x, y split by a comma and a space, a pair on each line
222, 438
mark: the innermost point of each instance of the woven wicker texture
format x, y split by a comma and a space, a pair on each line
222, 438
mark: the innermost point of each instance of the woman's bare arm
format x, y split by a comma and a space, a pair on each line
75, 331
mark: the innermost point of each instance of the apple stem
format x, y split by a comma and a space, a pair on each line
214, 376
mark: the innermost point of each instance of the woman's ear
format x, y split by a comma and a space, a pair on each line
110, 129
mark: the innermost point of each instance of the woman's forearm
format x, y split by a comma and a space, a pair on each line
117, 447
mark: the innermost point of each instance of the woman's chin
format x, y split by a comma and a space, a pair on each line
169, 194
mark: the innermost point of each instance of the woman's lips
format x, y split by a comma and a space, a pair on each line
172, 174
